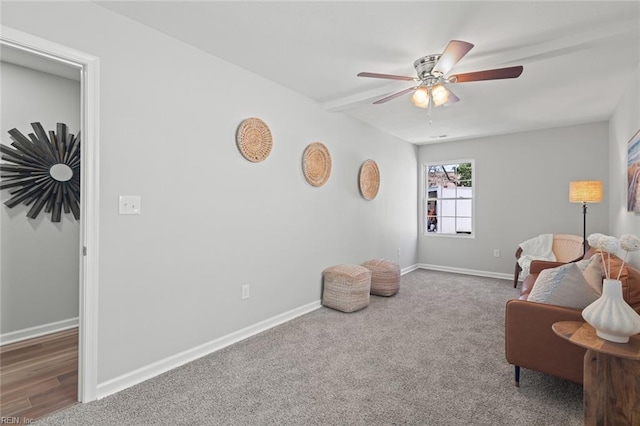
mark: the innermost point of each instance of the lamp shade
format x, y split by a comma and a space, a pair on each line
420, 97
585, 191
440, 94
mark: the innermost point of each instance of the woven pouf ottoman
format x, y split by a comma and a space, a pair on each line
346, 287
385, 277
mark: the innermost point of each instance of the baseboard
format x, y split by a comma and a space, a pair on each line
408, 269
37, 331
147, 372
475, 272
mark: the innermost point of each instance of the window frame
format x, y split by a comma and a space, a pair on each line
425, 198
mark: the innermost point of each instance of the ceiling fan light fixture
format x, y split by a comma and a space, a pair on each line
440, 94
432, 79
420, 97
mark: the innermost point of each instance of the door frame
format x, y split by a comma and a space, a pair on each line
89, 196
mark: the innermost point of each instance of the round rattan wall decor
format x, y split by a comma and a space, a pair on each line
254, 139
369, 179
316, 164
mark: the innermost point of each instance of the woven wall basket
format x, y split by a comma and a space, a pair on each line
369, 179
316, 164
254, 139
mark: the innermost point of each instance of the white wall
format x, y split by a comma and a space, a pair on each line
623, 125
211, 221
39, 262
522, 190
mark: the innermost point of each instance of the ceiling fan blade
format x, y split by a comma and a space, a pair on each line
395, 95
496, 74
451, 98
387, 76
454, 51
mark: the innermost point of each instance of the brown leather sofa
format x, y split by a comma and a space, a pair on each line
529, 340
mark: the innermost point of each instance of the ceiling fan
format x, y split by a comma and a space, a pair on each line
432, 69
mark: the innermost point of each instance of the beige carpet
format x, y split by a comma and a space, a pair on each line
431, 355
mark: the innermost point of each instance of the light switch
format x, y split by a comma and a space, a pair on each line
129, 204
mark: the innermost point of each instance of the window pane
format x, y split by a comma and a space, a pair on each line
448, 192
464, 208
463, 225
447, 225
465, 192
447, 208
431, 217
464, 172
434, 176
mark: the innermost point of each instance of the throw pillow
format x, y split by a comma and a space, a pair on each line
582, 264
592, 274
563, 286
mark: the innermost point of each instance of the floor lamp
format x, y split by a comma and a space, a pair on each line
585, 191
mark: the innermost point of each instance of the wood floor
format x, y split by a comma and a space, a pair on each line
38, 376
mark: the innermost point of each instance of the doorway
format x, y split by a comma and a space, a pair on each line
39, 279
88, 233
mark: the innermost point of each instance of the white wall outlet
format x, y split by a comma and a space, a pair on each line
398, 252
129, 204
245, 291
496, 252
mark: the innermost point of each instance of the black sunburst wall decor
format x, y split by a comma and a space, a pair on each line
45, 172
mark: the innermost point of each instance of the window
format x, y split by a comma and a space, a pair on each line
448, 198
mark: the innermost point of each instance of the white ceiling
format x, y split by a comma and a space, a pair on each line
578, 56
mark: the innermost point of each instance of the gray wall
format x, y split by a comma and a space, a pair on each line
624, 124
39, 262
522, 190
211, 221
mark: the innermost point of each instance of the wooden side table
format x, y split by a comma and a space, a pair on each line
611, 375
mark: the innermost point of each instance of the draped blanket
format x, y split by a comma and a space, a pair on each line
537, 248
